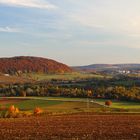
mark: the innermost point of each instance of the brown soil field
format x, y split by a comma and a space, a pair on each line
72, 127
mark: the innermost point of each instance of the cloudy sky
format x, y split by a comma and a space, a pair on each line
75, 32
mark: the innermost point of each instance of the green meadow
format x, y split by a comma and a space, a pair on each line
73, 105
65, 76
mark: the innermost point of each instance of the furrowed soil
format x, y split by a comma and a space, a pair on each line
72, 127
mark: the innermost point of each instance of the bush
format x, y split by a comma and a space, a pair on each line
11, 108
37, 111
12, 112
108, 103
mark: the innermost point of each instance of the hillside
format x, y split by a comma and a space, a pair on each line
109, 68
101, 67
31, 64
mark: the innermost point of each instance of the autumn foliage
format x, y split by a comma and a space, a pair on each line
31, 64
12, 108
108, 103
37, 111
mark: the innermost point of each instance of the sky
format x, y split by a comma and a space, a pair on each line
74, 32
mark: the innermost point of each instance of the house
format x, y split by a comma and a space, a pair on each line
6, 75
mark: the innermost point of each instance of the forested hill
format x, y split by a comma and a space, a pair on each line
100, 67
31, 64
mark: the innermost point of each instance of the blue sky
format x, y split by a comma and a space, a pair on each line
75, 32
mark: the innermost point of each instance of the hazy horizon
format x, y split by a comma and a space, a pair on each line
75, 33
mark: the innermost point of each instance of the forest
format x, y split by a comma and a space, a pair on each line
123, 88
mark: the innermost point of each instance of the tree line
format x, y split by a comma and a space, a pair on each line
45, 89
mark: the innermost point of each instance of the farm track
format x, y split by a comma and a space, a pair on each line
84, 126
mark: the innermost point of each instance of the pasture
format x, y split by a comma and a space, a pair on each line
126, 105
53, 105
64, 76
70, 105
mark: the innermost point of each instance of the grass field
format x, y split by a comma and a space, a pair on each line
70, 105
57, 105
65, 76
76, 107
116, 104
122, 104
31, 104
31, 77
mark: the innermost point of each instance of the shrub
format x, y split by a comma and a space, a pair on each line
37, 111
12, 112
108, 103
16, 110
12, 108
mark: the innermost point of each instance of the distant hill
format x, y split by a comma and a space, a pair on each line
31, 64
101, 67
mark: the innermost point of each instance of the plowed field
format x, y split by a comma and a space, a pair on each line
72, 127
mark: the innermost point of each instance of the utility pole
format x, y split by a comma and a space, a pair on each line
87, 103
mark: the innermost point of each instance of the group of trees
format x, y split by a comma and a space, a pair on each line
23, 64
119, 93
15, 112
116, 92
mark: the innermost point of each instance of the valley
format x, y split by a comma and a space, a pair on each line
58, 104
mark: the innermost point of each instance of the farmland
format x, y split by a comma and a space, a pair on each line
76, 126
69, 118
65, 76
14, 79
70, 105
73, 108
121, 104
53, 105
69, 70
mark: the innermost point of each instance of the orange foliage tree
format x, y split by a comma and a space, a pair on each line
108, 103
37, 110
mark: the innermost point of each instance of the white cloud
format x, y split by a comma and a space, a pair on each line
42, 4
9, 29
120, 43
86, 21
109, 16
